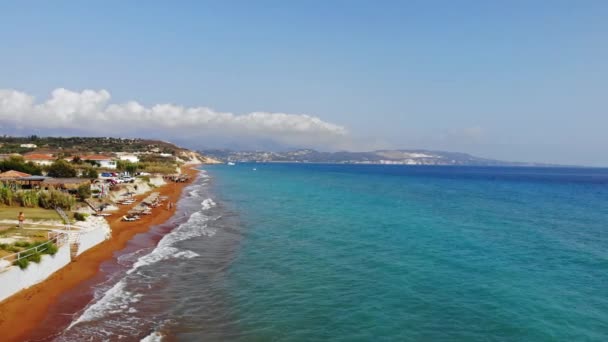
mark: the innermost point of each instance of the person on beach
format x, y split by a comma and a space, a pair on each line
21, 218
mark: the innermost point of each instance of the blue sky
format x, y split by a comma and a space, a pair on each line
514, 80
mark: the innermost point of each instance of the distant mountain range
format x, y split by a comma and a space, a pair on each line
395, 157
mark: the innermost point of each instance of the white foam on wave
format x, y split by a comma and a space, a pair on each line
203, 174
114, 300
153, 337
208, 204
194, 227
117, 299
162, 253
194, 190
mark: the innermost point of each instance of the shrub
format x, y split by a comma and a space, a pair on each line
61, 200
52, 249
80, 216
36, 257
36, 198
27, 199
44, 199
13, 249
23, 244
22, 263
84, 191
6, 196
90, 173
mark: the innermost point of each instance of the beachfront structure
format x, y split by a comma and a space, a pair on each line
105, 162
39, 159
12, 174
64, 183
22, 181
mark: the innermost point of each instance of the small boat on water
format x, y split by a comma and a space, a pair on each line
231, 164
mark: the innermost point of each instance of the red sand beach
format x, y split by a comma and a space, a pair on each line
21, 314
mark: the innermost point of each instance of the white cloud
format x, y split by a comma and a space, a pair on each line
91, 112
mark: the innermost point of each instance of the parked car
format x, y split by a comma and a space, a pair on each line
112, 181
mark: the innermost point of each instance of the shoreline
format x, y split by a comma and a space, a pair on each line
22, 313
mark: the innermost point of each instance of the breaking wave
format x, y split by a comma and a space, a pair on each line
116, 300
208, 204
153, 337
120, 298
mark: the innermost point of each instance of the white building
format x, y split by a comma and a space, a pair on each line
105, 162
129, 157
29, 145
39, 159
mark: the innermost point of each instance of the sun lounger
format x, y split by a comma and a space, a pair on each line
103, 214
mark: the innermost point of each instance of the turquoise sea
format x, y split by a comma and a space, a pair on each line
419, 253
294, 252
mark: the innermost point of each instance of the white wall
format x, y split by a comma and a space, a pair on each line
131, 158
107, 164
91, 238
15, 279
41, 162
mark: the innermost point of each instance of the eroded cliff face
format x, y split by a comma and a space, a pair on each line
192, 157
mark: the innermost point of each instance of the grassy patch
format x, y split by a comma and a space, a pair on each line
36, 214
28, 234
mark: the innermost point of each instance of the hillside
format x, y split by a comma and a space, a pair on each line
67, 146
399, 157
84, 144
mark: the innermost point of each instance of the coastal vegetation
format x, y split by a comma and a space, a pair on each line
80, 216
150, 164
61, 169
34, 242
71, 145
46, 199
35, 251
84, 191
17, 163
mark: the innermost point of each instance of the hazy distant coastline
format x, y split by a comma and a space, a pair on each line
382, 157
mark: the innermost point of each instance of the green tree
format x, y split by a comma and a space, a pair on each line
125, 165
90, 173
131, 168
84, 191
17, 163
62, 169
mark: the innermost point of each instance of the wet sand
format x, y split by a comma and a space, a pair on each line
21, 314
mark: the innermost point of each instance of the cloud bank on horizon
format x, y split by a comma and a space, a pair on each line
90, 112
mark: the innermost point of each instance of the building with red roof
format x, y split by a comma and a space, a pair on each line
39, 158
